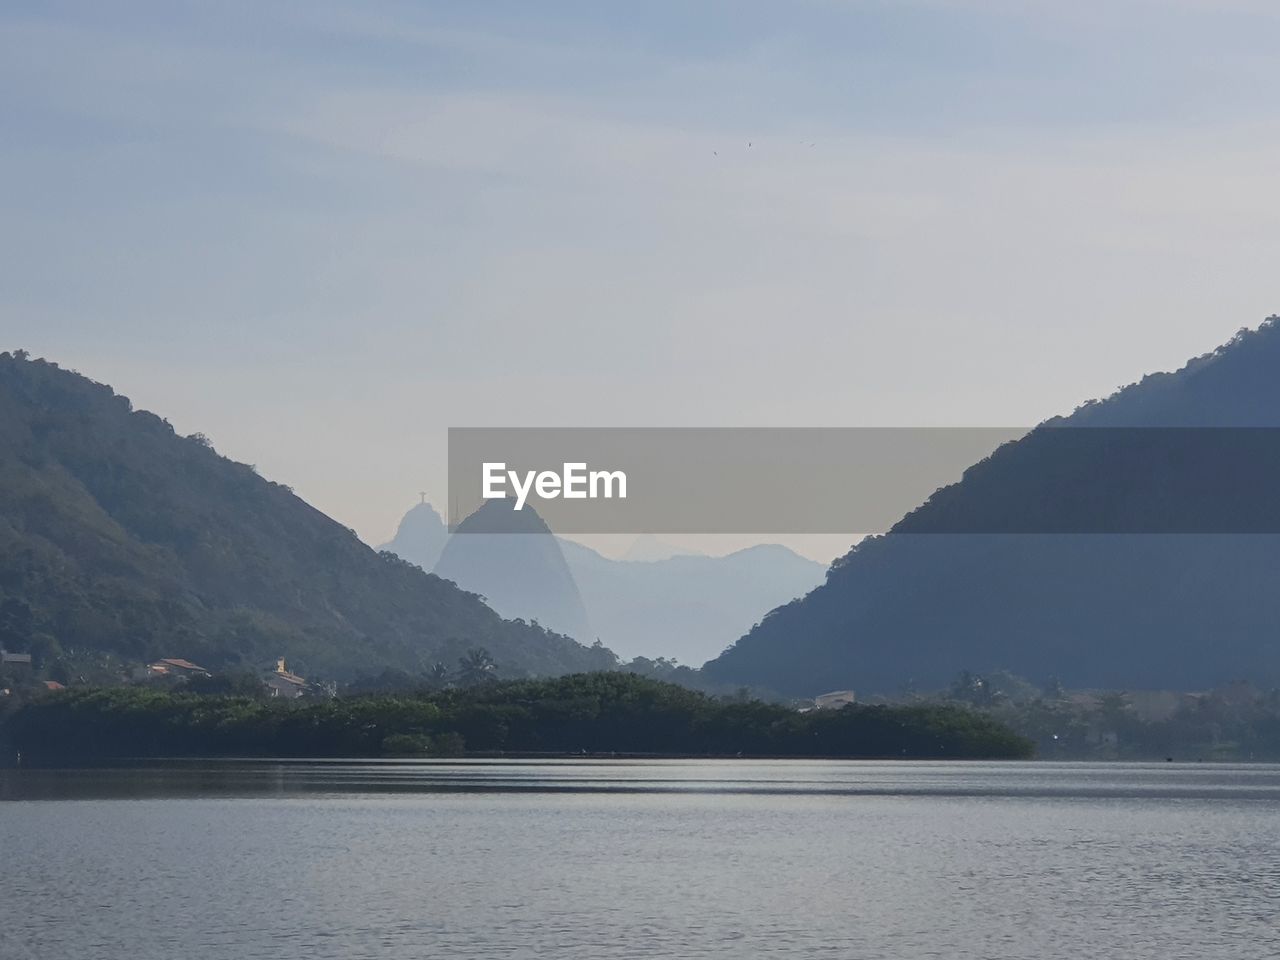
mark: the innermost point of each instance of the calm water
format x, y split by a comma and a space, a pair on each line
664, 859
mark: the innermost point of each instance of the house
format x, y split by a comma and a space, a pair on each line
175, 667
281, 683
52, 686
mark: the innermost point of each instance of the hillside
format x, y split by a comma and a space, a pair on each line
1108, 610
119, 536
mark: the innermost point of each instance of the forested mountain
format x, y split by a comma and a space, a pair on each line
119, 536
1111, 610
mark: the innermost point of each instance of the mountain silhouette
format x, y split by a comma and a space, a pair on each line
119, 537
510, 558
647, 548
420, 537
685, 607
1092, 609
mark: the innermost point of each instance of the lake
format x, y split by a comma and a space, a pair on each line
609, 859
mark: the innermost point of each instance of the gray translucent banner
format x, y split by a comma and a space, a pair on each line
713, 480
866, 480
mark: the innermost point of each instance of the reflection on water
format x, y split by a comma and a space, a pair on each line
590, 859
283, 778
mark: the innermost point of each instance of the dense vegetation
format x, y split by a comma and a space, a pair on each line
595, 712
122, 539
1179, 611
1234, 722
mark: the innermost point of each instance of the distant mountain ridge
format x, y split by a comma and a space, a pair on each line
647, 548
119, 536
690, 606
1180, 611
687, 606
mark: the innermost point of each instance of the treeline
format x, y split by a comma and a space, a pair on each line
1236, 721
592, 713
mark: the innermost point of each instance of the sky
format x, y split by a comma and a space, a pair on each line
322, 233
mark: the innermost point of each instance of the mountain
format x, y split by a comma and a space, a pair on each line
510, 558
420, 538
647, 548
1113, 610
117, 536
689, 607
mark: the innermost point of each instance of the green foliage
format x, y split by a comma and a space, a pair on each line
594, 713
1234, 722
476, 667
235, 684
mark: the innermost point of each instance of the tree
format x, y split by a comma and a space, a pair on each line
476, 667
15, 625
1114, 709
438, 676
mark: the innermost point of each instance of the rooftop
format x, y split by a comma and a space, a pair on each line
286, 677
180, 663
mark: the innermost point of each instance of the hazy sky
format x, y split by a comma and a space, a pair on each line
321, 233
